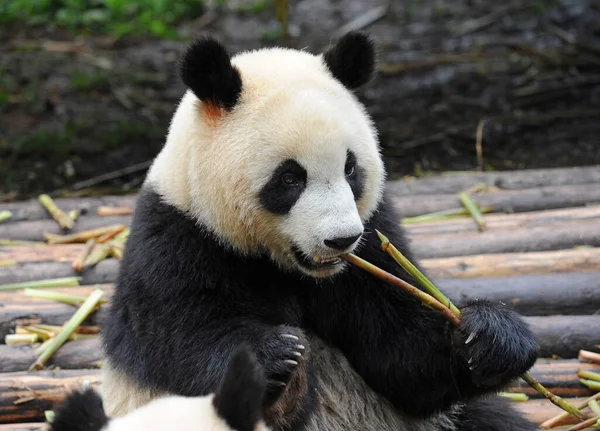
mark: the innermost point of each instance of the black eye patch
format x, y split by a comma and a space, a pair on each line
284, 188
355, 175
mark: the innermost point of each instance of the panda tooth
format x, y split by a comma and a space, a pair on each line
317, 259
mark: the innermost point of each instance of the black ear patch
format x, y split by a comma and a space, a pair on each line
239, 400
207, 70
352, 59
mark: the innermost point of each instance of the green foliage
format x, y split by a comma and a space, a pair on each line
116, 17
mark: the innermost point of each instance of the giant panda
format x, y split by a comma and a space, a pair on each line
271, 170
236, 406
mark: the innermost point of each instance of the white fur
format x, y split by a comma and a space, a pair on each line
175, 413
290, 107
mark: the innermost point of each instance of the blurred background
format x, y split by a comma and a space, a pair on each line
88, 87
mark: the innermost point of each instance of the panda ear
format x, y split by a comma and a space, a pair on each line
239, 400
352, 59
206, 69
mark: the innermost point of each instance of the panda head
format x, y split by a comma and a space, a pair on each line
271, 151
236, 406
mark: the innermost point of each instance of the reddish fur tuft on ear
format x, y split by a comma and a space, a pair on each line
211, 113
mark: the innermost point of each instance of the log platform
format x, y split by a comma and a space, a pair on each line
539, 255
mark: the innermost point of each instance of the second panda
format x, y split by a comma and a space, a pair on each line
271, 170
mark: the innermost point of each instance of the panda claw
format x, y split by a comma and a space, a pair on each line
299, 347
298, 354
293, 337
290, 362
277, 383
470, 361
471, 337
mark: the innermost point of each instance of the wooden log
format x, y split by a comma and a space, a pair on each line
524, 179
24, 396
34, 230
32, 210
551, 236
564, 336
450, 183
506, 201
488, 265
40, 391
508, 264
71, 355
532, 295
554, 236
504, 221
103, 272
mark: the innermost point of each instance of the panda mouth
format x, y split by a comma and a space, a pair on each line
315, 262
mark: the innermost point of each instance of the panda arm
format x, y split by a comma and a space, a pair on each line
408, 352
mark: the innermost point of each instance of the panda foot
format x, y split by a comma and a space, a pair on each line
495, 344
284, 352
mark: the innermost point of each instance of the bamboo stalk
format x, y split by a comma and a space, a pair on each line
99, 253
592, 384
514, 396
585, 355
444, 215
473, 210
455, 319
590, 375
78, 317
583, 425
556, 419
427, 299
82, 236
5, 215
65, 298
77, 264
112, 234
42, 333
37, 284
415, 273
12, 242
113, 211
21, 338
594, 407
63, 219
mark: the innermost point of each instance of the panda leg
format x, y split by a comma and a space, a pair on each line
493, 413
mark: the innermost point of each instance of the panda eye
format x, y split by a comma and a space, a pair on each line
289, 180
349, 170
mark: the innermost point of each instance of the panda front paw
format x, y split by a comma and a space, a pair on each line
495, 343
285, 350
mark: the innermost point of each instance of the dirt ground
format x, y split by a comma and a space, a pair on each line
526, 74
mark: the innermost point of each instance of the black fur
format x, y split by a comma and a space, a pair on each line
482, 415
204, 301
80, 411
352, 59
356, 178
207, 70
239, 401
279, 197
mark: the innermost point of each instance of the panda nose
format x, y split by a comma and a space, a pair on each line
341, 243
